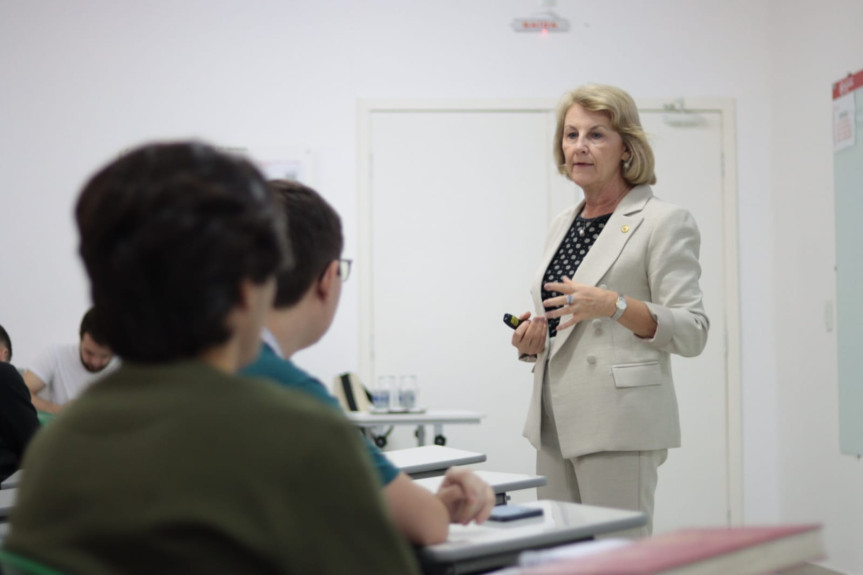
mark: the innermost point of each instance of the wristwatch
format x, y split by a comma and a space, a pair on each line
620, 307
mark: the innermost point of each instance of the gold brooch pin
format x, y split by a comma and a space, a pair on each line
624, 229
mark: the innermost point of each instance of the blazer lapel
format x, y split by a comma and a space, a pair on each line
622, 224
550, 249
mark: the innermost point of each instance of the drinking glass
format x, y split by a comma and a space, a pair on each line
408, 392
382, 392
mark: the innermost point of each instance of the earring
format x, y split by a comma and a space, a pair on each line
627, 162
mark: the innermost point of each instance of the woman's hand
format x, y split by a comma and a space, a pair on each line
581, 301
529, 336
588, 302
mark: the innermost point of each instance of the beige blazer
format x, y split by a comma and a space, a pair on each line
611, 390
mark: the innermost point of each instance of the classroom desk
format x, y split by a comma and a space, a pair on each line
12, 481
431, 460
7, 501
477, 548
500, 482
434, 417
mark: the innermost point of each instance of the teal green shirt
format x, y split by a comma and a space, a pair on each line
284, 371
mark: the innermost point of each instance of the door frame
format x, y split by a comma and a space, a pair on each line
725, 107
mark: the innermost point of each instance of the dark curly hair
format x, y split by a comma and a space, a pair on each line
7, 341
89, 325
168, 233
314, 234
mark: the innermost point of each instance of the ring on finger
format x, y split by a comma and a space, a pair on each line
569, 299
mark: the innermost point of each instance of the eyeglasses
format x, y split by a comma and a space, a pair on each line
345, 268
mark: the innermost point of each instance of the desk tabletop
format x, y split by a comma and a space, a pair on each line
500, 482
7, 501
12, 481
561, 522
429, 416
430, 458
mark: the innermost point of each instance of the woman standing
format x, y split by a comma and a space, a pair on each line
616, 293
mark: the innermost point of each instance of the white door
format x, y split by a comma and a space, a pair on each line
693, 483
459, 202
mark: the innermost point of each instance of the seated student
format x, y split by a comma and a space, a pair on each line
62, 372
173, 463
18, 421
5, 346
306, 301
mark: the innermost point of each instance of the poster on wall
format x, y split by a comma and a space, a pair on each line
848, 191
844, 131
280, 162
285, 164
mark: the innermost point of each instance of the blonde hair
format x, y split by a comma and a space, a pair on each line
623, 113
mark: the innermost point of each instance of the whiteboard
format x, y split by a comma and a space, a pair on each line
848, 187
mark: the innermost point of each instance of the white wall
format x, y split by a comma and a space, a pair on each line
813, 48
83, 80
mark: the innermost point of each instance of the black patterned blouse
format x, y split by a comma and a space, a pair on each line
581, 236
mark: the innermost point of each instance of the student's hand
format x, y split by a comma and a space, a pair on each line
529, 336
466, 496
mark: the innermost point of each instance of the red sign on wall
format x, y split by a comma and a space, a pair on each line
847, 85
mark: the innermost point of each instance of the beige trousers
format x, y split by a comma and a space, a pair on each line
617, 479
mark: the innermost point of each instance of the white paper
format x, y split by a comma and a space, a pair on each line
844, 124
531, 558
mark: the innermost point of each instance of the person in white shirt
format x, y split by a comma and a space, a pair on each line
63, 372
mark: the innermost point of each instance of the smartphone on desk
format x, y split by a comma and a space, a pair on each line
513, 512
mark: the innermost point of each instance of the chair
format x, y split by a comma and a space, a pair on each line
14, 564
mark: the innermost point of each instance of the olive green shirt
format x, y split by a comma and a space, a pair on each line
180, 468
